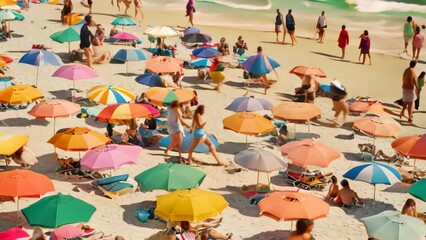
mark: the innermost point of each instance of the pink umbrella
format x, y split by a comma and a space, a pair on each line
110, 157
67, 232
125, 36
13, 233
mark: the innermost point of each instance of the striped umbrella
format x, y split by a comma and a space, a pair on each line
196, 38
126, 111
163, 96
123, 21
126, 55
150, 79
374, 173
109, 94
260, 64
249, 104
202, 62
78, 139
206, 52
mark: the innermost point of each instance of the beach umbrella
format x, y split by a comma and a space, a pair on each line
260, 160
38, 57
309, 152
202, 62
75, 72
126, 111
10, 7
206, 52
2, 63
57, 210
164, 96
368, 107
19, 94
260, 64
4, 3
5, 82
374, 173
110, 157
191, 30
162, 65
150, 79
126, 55
419, 190
78, 139
10, 15
6, 58
110, 94
297, 112
125, 36
170, 177
9, 143
248, 123
13, 234
123, 21
249, 104
193, 205
71, 34
413, 146
308, 70
162, 32
377, 127
74, 18
54, 108
187, 142
393, 225
196, 38
67, 232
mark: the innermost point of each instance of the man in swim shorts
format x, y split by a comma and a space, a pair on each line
409, 90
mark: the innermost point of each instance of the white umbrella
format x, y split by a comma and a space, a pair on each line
162, 32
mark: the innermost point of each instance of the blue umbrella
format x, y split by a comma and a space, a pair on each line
187, 141
249, 104
191, 30
202, 62
126, 55
206, 52
38, 57
374, 173
150, 79
260, 64
196, 38
5, 82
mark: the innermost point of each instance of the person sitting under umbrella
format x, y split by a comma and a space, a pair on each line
347, 197
101, 54
204, 229
7, 32
23, 156
410, 209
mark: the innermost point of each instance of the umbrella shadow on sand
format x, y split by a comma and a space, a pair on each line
61, 94
280, 180
129, 216
354, 157
46, 165
8, 220
23, 122
399, 187
231, 147
372, 207
270, 235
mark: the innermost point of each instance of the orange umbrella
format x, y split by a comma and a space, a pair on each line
411, 146
7, 3
163, 65
6, 58
377, 127
78, 139
308, 70
291, 206
374, 108
19, 94
248, 123
309, 152
2, 63
294, 111
164, 96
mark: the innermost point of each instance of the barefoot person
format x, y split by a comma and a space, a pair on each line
138, 9
418, 41
409, 90
190, 9
290, 24
409, 27
197, 129
364, 45
263, 76
127, 3
338, 97
304, 228
343, 40
174, 127
279, 24
86, 39
321, 24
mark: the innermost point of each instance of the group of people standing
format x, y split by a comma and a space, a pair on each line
288, 26
412, 33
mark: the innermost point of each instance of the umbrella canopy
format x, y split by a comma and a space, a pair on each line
309, 152
13, 234
24, 183
125, 55
19, 94
125, 36
6, 58
206, 52
170, 177
248, 123
13, 5
191, 30
5, 82
196, 38
75, 72
187, 142
374, 173
4, 3
57, 210
10, 15
371, 108
78, 139
9, 144
249, 104
109, 94
162, 65
164, 96
2, 63
74, 18
110, 157
38, 57
393, 225
202, 62
126, 111
123, 21
190, 205
308, 70
377, 127
162, 32
67, 232
260, 160
413, 146
260, 64
68, 35
418, 190
150, 79
295, 111
291, 206
54, 108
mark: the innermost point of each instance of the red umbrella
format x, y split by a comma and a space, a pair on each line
126, 111
13, 234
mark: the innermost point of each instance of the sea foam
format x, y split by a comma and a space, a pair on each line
239, 4
386, 6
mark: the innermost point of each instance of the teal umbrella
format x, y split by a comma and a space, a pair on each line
58, 210
123, 21
393, 225
10, 15
71, 34
170, 177
418, 190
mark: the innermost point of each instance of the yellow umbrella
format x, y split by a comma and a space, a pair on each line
248, 123
2, 63
7, 3
78, 139
11, 143
190, 205
19, 94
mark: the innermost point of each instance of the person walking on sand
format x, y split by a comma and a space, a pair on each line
418, 41
138, 9
174, 127
364, 45
409, 27
86, 40
343, 40
279, 23
290, 24
420, 83
197, 129
127, 3
263, 76
338, 97
321, 24
410, 89
190, 10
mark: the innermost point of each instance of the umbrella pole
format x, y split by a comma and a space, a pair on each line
374, 195
37, 75
72, 90
54, 125
291, 227
127, 68
69, 47
309, 127
257, 183
17, 210
269, 180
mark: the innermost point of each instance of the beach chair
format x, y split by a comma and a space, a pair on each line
115, 186
301, 177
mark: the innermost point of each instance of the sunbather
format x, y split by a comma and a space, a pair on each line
23, 156
346, 196
410, 209
334, 189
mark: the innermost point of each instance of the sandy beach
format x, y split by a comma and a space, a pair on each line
381, 81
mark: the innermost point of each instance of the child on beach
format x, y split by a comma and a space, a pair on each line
343, 40
364, 45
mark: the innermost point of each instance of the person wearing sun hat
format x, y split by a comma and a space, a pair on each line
339, 94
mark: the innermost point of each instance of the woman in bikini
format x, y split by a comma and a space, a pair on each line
200, 135
174, 127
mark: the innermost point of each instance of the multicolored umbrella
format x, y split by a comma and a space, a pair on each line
19, 94
163, 96
67, 232
126, 111
74, 18
13, 234
150, 79
193, 205
78, 139
191, 30
125, 36
126, 55
110, 157
202, 62
196, 38
393, 225
418, 189
9, 143
109, 94
308, 70
377, 127
374, 173
57, 210
71, 34
162, 32
206, 52
187, 142
413, 146
248, 123
123, 21
260, 64
249, 104
170, 177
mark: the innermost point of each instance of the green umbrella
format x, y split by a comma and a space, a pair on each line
123, 21
58, 210
393, 225
170, 177
68, 35
10, 15
418, 190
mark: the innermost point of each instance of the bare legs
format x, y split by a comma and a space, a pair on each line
343, 53
206, 141
416, 53
340, 106
191, 17
265, 83
409, 107
293, 38
138, 10
175, 142
364, 55
89, 55
285, 33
